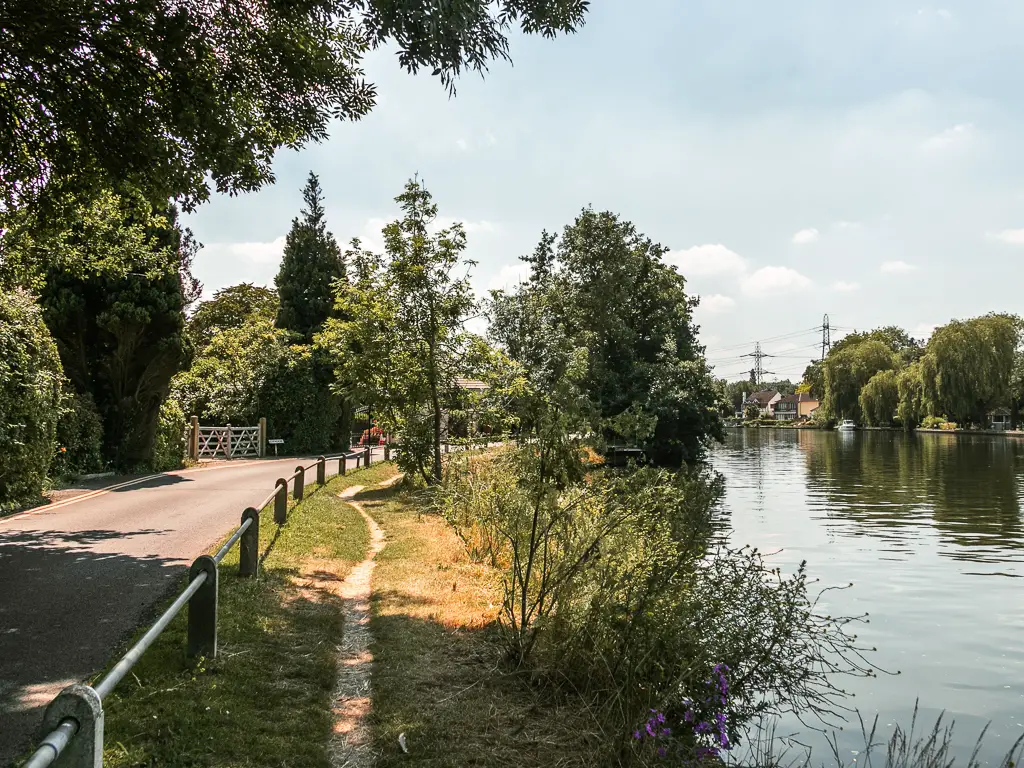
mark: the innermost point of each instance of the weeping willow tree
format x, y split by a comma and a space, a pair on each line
880, 398
847, 371
968, 366
912, 405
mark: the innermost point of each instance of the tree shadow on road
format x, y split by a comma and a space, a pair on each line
69, 599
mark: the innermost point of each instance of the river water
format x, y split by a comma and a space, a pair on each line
929, 529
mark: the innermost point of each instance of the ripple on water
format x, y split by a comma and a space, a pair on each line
930, 531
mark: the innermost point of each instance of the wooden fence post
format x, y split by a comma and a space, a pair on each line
263, 436
202, 610
281, 502
193, 439
249, 544
300, 483
321, 470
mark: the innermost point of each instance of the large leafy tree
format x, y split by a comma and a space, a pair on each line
970, 366
847, 369
172, 95
399, 344
606, 290
310, 265
880, 398
231, 307
114, 287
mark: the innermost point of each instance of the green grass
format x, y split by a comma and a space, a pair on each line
438, 675
265, 700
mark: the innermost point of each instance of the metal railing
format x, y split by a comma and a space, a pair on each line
73, 721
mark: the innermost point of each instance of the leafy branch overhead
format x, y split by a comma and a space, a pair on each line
176, 96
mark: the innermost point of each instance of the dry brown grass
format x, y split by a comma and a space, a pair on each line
438, 676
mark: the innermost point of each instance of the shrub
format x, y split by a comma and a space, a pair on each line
31, 378
171, 445
615, 588
79, 437
938, 422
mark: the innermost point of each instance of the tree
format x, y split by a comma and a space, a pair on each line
231, 307
973, 364
785, 386
310, 265
912, 406
163, 95
114, 291
227, 378
814, 380
879, 398
398, 343
30, 398
606, 289
847, 370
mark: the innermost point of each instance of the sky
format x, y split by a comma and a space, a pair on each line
858, 159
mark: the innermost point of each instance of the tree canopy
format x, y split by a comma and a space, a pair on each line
170, 96
231, 307
604, 289
399, 344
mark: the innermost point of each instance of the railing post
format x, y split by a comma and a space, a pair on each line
249, 545
193, 438
229, 441
321, 470
341, 463
202, 610
263, 437
300, 482
387, 451
281, 502
85, 750
367, 462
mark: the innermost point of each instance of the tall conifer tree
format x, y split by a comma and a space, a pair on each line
311, 263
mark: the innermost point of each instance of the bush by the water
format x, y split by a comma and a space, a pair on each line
30, 398
617, 589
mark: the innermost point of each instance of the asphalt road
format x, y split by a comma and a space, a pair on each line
77, 577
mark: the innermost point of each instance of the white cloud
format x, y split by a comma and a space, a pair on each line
708, 259
461, 144
923, 331
849, 226
844, 287
716, 303
805, 236
948, 137
509, 276
893, 267
261, 253
1008, 236
771, 280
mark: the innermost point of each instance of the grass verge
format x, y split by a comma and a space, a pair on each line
438, 675
266, 699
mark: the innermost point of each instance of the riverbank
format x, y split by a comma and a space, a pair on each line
920, 430
438, 683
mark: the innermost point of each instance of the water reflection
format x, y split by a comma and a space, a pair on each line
930, 530
966, 488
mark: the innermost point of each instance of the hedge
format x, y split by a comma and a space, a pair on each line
31, 379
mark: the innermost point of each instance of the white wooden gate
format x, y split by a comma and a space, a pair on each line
226, 442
